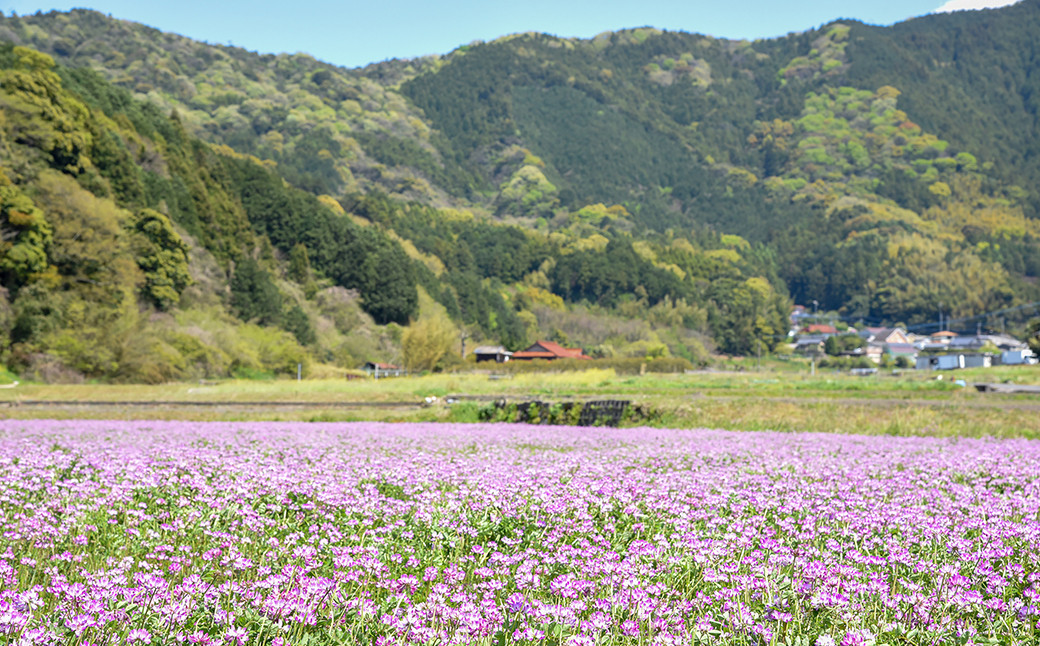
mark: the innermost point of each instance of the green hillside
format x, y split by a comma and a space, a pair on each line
643, 193
794, 144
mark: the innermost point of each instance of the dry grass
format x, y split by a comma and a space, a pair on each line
908, 404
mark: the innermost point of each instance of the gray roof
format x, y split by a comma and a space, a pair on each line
1002, 341
491, 349
811, 340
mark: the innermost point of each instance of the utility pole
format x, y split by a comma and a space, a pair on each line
462, 338
759, 343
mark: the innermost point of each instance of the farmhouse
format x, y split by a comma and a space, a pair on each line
820, 329
902, 350
809, 345
378, 370
495, 353
549, 351
884, 335
977, 342
948, 350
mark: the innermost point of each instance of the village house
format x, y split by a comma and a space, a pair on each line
937, 342
872, 351
798, 315
949, 350
810, 345
976, 342
896, 350
820, 329
884, 335
549, 351
379, 370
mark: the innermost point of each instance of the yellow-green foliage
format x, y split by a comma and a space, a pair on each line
529, 189
592, 242
430, 339
726, 255
532, 296
269, 350
37, 111
734, 241
969, 206
874, 215
924, 267
741, 178
222, 345
90, 245
288, 103
162, 255
600, 214
827, 55
24, 236
844, 133
666, 70
635, 36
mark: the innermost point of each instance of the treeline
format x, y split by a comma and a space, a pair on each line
111, 210
134, 251
532, 187
484, 268
234, 204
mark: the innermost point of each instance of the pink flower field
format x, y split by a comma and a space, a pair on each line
295, 533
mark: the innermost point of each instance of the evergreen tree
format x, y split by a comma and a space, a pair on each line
254, 295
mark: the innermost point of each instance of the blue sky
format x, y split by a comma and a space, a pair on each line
354, 33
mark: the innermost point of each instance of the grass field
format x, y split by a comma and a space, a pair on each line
778, 397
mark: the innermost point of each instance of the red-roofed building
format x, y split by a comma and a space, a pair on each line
820, 328
378, 370
549, 351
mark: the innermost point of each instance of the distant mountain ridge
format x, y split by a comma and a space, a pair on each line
885, 172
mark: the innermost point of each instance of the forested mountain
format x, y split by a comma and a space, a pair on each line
642, 193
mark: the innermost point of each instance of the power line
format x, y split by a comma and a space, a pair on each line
977, 317
924, 326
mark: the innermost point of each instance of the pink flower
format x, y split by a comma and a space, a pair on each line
237, 634
630, 628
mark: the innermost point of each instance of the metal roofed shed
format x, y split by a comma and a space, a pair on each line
495, 353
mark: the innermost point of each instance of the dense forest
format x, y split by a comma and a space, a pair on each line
172, 209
